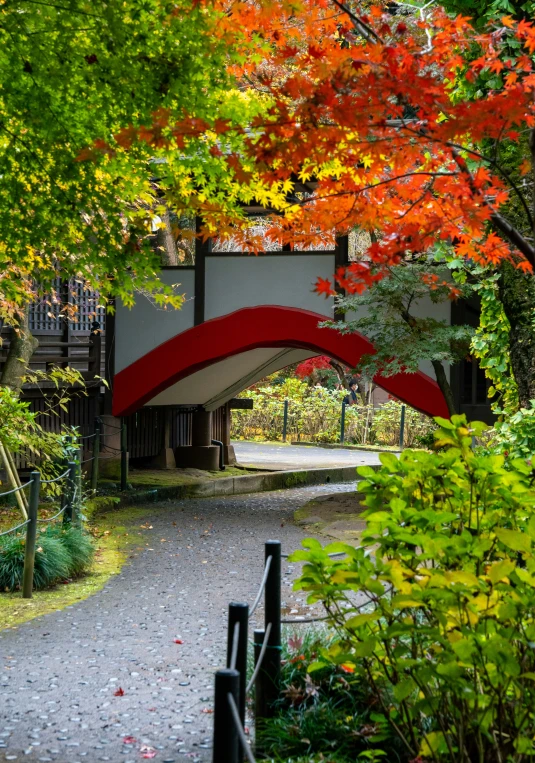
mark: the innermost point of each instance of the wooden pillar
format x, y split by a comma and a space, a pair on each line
341, 260
202, 248
166, 457
230, 456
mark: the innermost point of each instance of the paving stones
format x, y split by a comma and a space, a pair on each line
126, 637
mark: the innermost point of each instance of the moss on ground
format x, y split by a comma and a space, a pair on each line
333, 516
116, 533
141, 478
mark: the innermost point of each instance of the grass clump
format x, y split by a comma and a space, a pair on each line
326, 715
60, 554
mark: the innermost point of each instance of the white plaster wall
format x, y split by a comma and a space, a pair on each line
236, 282
144, 326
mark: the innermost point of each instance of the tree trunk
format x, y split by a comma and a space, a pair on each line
445, 387
517, 295
21, 348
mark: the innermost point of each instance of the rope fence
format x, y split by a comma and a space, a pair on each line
230, 741
16, 489
56, 479
72, 492
14, 529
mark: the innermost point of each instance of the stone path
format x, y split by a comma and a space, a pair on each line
62, 676
271, 455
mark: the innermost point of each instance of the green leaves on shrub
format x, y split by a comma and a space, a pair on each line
326, 715
60, 554
436, 609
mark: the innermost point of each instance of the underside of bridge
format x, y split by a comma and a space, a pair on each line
209, 364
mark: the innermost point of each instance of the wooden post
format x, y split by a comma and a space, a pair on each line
71, 488
77, 503
96, 454
285, 421
124, 456
31, 533
14, 481
343, 424
95, 350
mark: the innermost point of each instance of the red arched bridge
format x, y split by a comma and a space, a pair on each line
244, 317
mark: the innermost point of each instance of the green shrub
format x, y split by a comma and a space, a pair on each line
329, 714
60, 554
51, 562
314, 414
78, 544
436, 609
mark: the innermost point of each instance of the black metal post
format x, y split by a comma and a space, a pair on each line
343, 424
124, 457
96, 454
272, 614
402, 427
238, 615
71, 489
31, 533
285, 421
259, 691
226, 744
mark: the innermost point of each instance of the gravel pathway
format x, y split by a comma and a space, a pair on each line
62, 675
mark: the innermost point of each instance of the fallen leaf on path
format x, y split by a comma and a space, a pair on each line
129, 740
147, 752
207, 710
119, 692
178, 641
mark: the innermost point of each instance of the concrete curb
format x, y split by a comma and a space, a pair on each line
249, 483
339, 446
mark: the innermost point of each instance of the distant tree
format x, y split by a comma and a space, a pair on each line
389, 318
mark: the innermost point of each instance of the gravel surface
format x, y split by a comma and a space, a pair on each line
62, 675
274, 456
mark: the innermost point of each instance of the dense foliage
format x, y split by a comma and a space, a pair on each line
328, 714
61, 553
75, 75
314, 414
439, 619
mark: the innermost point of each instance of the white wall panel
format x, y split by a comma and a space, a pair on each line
236, 282
140, 329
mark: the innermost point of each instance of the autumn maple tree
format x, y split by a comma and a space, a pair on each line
374, 117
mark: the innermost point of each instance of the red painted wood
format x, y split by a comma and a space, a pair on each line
250, 328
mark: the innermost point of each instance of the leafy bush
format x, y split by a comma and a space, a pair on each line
51, 562
60, 554
314, 414
329, 715
78, 544
439, 620
515, 435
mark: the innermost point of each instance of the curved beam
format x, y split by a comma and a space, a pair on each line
248, 329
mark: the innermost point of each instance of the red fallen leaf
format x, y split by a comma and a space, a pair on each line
129, 740
119, 692
147, 752
152, 709
207, 710
178, 641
